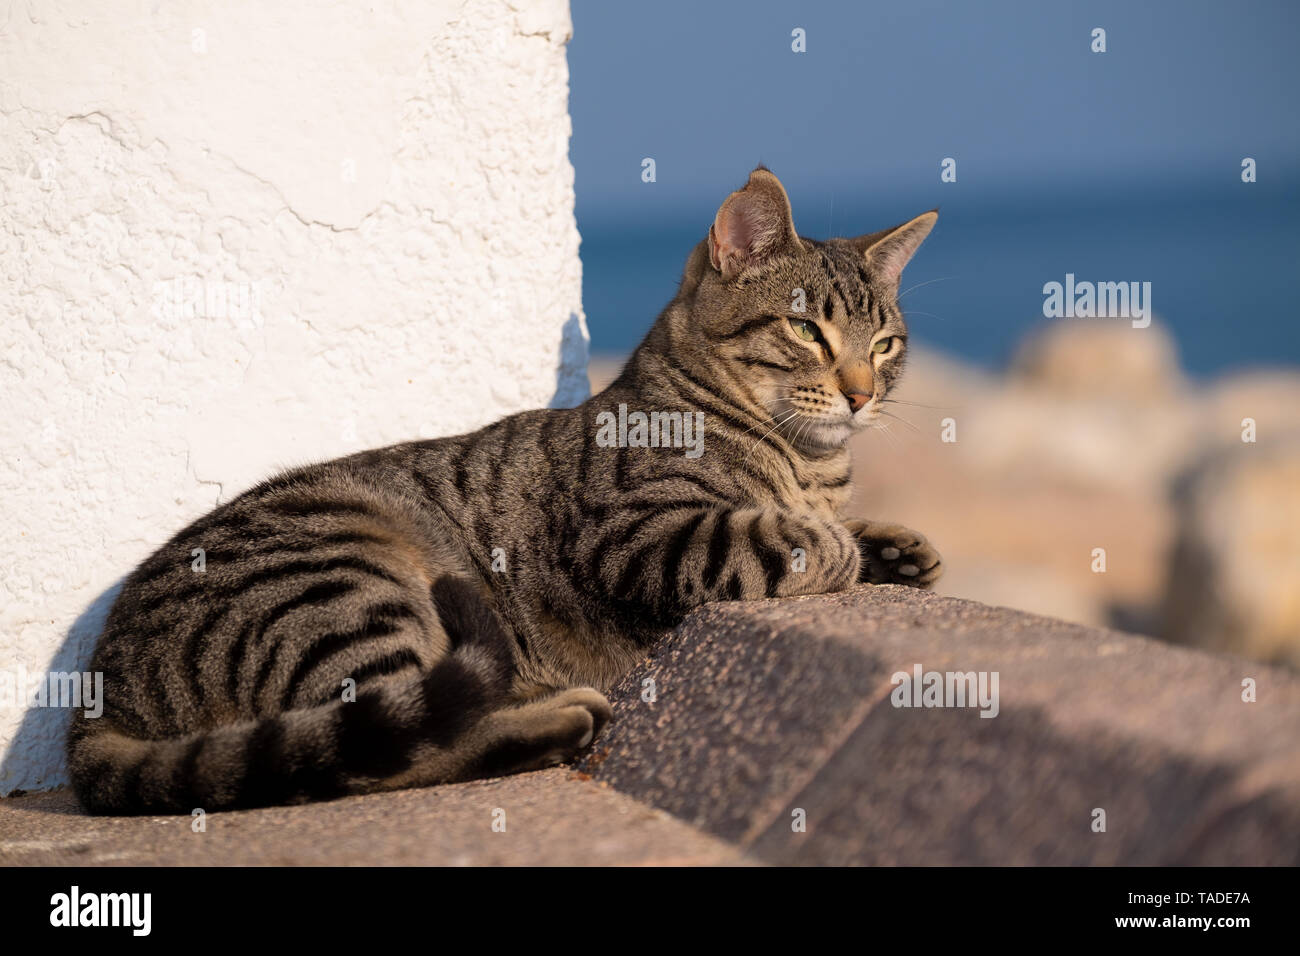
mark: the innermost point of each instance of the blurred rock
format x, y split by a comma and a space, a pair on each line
1267, 399
1234, 578
1024, 434
1092, 359
1094, 402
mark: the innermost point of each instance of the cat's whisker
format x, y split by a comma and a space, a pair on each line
793, 439
883, 428
899, 401
787, 418
923, 284
804, 426
899, 418
759, 425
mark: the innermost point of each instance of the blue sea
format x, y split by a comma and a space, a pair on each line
1221, 258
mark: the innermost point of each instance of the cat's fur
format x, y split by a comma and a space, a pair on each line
227, 688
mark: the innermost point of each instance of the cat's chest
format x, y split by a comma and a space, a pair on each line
822, 488
825, 502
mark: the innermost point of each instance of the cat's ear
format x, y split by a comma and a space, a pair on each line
889, 251
752, 226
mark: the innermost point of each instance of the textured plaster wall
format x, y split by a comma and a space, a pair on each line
236, 236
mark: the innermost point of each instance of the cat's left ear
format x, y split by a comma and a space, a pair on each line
753, 225
889, 251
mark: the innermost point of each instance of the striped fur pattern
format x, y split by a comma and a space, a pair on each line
450, 609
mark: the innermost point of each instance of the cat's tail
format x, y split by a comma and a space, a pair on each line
393, 734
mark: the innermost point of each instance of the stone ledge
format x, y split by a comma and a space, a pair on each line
765, 707
550, 818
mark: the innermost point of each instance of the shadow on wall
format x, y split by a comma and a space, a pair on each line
44, 728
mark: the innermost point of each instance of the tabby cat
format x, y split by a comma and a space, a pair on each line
450, 609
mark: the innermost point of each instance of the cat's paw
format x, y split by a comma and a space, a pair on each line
892, 554
544, 731
596, 712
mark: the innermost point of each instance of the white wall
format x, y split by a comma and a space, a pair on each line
380, 190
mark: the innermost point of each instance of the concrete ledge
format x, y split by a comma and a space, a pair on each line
765, 712
549, 818
764, 708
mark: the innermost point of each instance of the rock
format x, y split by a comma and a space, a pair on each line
1091, 359
1266, 400
1086, 402
549, 818
767, 713
1021, 435
1234, 579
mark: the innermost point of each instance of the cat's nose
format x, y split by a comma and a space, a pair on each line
856, 399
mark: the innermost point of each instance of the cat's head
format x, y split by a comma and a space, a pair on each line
811, 329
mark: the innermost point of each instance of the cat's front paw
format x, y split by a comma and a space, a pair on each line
892, 554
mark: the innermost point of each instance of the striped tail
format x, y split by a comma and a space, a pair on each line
312, 753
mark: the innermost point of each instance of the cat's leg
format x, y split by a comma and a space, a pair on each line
541, 732
684, 555
529, 726
540, 725
893, 554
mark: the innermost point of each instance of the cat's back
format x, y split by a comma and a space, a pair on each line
186, 643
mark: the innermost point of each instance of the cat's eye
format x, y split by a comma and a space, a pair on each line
884, 345
804, 329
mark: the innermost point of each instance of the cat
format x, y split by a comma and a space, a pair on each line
451, 609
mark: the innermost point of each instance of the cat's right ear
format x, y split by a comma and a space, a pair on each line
888, 251
752, 226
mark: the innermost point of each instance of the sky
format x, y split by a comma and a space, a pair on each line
1142, 143
886, 90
